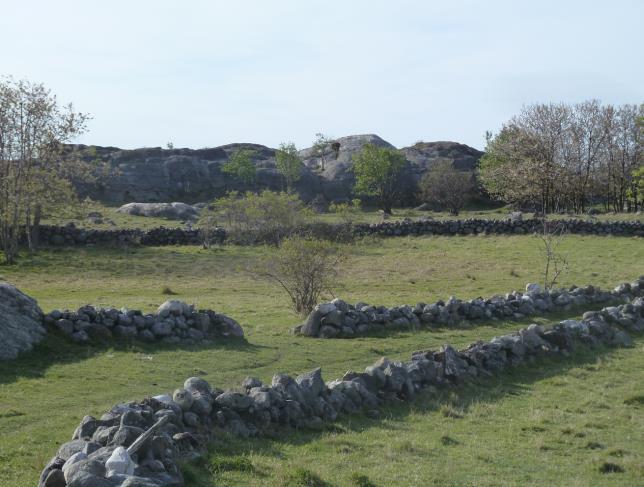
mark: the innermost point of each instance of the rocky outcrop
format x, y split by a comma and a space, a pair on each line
171, 211
20, 322
142, 442
339, 319
161, 175
175, 322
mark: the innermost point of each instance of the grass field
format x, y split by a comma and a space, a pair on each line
556, 424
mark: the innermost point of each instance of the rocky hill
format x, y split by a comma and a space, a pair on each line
161, 175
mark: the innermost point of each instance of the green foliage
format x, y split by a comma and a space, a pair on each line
266, 217
377, 171
348, 212
323, 147
289, 164
240, 166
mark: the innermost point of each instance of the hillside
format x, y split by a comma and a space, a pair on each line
191, 175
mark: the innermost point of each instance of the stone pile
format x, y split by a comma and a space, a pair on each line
512, 225
99, 452
175, 322
20, 322
339, 319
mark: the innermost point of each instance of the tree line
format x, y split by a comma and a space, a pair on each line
562, 157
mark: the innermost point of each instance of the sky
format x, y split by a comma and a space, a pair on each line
207, 73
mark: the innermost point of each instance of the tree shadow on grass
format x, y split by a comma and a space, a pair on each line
58, 349
460, 399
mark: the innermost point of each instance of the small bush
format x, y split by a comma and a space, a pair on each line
267, 217
305, 268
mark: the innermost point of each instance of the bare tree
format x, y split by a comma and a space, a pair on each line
447, 187
555, 263
305, 268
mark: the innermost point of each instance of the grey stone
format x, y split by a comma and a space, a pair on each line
234, 400
311, 326
162, 328
20, 322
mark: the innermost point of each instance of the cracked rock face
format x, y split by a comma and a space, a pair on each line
20, 322
160, 175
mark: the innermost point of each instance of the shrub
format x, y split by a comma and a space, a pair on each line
305, 268
251, 218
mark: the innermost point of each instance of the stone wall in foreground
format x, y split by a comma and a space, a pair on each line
339, 319
175, 322
139, 443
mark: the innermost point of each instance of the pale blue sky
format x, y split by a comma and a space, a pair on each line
206, 73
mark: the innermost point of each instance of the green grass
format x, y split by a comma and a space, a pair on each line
469, 437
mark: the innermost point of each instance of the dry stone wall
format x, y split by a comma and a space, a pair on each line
70, 235
175, 322
339, 319
139, 443
510, 226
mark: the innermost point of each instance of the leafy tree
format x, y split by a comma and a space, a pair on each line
240, 166
377, 171
323, 145
36, 167
447, 187
289, 164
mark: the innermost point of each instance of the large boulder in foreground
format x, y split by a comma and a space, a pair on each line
171, 211
20, 322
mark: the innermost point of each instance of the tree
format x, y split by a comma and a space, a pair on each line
240, 166
289, 164
565, 157
36, 167
551, 237
323, 146
447, 187
305, 268
377, 171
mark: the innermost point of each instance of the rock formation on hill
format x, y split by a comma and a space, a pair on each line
163, 175
20, 322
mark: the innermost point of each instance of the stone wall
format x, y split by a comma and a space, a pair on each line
339, 319
70, 235
174, 322
503, 227
139, 443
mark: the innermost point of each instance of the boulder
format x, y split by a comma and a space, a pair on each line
171, 211
20, 322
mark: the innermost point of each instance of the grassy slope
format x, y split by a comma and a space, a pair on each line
44, 394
